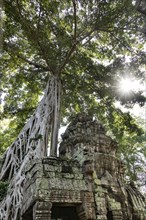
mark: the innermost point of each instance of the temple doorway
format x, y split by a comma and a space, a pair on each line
109, 215
64, 213
28, 215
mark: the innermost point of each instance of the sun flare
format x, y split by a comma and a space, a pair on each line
127, 85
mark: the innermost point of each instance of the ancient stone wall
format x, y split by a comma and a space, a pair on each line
54, 181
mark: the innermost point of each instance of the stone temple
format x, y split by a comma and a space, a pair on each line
86, 181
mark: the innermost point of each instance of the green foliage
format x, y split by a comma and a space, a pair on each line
132, 151
3, 189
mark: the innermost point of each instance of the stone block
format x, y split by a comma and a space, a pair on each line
100, 205
113, 205
101, 217
44, 184
67, 175
48, 168
49, 174
79, 176
97, 182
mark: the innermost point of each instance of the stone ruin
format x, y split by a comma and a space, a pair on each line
86, 181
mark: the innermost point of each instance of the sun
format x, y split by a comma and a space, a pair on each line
127, 85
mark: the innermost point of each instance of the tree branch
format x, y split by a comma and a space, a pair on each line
75, 20
87, 35
44, 56
70, 52
35, 35
141, 6
124, 45
38, 42
37, 65
138, 2
68, 57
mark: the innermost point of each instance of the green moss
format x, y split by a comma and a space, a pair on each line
3, 189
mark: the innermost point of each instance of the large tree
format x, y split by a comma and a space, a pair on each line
82, 45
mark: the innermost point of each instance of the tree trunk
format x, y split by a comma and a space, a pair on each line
55, 117
31, 143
